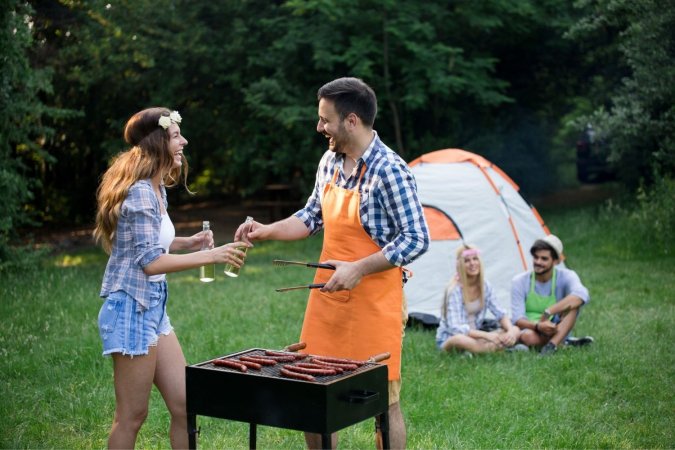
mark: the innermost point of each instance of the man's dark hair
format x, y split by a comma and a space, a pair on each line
351, 95
543, 245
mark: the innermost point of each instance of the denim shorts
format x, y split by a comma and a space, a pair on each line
126, 327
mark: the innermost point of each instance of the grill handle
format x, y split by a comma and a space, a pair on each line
362, 396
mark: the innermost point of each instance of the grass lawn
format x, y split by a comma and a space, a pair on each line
56, 390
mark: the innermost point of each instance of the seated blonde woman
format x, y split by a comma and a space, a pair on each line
466, 302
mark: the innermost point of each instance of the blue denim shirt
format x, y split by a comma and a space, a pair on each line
135, 243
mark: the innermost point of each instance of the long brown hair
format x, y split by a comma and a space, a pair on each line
148, 156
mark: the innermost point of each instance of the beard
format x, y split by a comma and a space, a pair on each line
542, 270
338, 141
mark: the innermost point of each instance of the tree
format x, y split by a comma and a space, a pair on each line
635, 106
22, 129
492, 77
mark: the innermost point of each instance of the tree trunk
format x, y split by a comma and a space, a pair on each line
387, 85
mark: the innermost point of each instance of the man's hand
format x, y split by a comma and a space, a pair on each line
248, 232
347, 275
547, 328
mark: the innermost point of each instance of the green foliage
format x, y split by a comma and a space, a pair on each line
23, 157
636, 107
489, 77
57, 389
651, 216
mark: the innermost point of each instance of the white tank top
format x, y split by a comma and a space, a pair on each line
472, 309
167, 233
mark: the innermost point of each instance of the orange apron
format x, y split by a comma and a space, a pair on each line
362, 322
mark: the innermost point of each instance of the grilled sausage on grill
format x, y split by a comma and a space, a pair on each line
322, 371
319, 366
250, 364
298, 376
261, 361
343, 366
231, 364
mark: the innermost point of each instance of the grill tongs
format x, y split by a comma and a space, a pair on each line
281, 262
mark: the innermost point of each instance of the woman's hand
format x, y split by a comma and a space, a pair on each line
493, 337
230, 253
203, 239
510, 337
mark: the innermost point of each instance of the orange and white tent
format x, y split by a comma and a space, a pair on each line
468, 199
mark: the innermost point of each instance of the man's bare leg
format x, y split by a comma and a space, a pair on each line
313, 440
397, 433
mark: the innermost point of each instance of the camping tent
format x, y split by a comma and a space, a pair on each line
468, 199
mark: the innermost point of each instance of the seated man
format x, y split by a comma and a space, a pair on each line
545, 302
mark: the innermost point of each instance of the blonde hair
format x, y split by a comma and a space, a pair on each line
148, 156
461, 279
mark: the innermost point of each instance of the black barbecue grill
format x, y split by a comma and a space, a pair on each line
265, 397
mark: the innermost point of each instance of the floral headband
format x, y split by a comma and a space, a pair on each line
166, 121
470, 252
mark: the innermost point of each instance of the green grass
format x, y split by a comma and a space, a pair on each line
56, 390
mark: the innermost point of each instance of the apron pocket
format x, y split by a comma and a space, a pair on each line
337, 296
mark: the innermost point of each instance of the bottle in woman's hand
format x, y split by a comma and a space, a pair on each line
207, 273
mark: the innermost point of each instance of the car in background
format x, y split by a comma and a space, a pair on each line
592, 164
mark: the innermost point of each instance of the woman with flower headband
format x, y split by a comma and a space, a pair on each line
466, 302
134, 228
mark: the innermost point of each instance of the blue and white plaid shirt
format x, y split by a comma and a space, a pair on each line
455, 320
135, 244
390, 210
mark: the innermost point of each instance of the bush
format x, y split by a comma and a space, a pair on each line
650, 216
654, 215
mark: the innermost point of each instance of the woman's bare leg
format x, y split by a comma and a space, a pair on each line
170, 381
133, 383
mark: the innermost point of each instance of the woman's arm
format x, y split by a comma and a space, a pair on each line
167, 263
203, 239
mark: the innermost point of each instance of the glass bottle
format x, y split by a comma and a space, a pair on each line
207, 273
230, 270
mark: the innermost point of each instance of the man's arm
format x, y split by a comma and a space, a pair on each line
348, 274
288, 229
561, 307
519, 288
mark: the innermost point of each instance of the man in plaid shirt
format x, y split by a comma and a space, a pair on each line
365, 201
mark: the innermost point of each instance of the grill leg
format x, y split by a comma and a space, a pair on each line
384, 429
325, 441
252, 435
192, 431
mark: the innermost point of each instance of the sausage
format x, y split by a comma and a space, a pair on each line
251, 364
332, 364
272, 353
285, 358
231, 364
298, 376
318, 366
340, 360
261, 361
322, 371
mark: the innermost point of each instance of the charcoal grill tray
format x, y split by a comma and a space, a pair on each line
265, 397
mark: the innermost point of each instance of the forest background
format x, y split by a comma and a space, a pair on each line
516, 82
